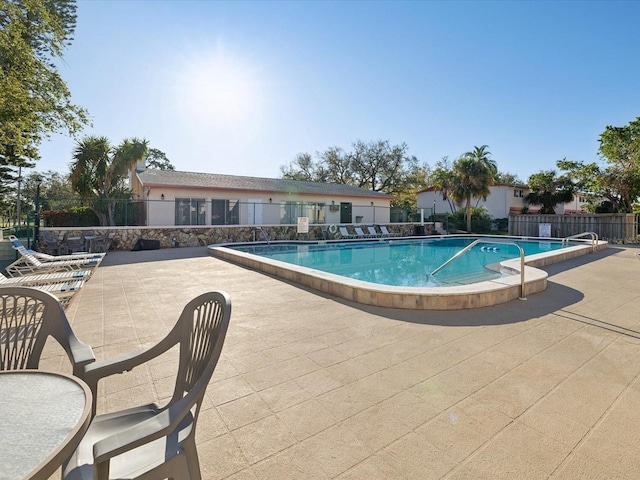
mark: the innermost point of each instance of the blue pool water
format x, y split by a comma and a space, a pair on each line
407, 262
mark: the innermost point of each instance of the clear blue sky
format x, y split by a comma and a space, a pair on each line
242, 87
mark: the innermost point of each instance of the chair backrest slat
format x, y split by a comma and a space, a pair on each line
28, 317
22, 328
202, 328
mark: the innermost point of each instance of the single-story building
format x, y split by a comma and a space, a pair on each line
190, 198
503, 200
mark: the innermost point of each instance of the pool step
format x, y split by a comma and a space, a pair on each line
467, 278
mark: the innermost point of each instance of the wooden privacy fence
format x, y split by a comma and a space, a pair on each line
608, 226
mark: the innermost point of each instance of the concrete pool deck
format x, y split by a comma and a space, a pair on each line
314, 387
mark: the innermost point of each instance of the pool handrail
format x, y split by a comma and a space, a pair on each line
473, 244
593, 235
264, 234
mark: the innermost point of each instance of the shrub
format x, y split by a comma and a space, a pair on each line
501, 224
480, 220
72, 217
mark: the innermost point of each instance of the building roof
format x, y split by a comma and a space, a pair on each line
171, 178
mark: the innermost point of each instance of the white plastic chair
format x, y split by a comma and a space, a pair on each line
150, 441
28, 317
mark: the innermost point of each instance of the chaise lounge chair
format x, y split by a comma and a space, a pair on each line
344, 233
28, 264
360, 233
386, 232
45, 257
61, 284
63, 290
373, 232
44, 278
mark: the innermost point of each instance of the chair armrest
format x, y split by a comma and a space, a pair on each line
121, 363
93, 372
81, 355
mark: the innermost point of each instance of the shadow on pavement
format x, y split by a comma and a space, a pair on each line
124, 258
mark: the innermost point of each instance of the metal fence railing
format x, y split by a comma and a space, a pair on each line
200, 211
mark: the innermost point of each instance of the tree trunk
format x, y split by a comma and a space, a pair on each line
467, 210
111, 209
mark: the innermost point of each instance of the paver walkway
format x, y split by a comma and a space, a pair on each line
310, 387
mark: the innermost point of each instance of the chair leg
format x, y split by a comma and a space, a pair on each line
191, 454
174, 469
101, 471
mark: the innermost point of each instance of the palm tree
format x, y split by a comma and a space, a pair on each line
442, 180
99, 172
474, 173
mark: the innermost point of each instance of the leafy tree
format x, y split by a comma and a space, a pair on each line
99, 172
56, 192
619, 182
12, 179
335, 167
474, 173
622, 144
548, 190
157, 160
303, 168
35, 101
613, 189
377, 166
7, 173
415, 180
507, 178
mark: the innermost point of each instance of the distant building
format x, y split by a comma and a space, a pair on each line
190, 198
503, 200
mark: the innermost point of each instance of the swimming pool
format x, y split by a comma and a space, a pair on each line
446, 290
408, 262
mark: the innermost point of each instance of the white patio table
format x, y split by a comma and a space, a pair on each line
43, 417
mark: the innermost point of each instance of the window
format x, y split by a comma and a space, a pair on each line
290, 211
191, 211
316, 213
518, 193
225, 212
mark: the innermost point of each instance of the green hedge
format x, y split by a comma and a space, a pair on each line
73, 217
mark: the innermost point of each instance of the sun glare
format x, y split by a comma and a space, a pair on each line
220, 91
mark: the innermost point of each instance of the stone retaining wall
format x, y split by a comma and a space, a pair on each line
124, 238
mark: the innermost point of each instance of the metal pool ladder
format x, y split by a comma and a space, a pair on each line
473, 244
263, 233
593, 235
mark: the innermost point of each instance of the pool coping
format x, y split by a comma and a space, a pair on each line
454, 297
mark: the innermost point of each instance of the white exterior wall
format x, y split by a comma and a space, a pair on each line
498, 204
425, 200
161, 212
577, 205
501, 202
